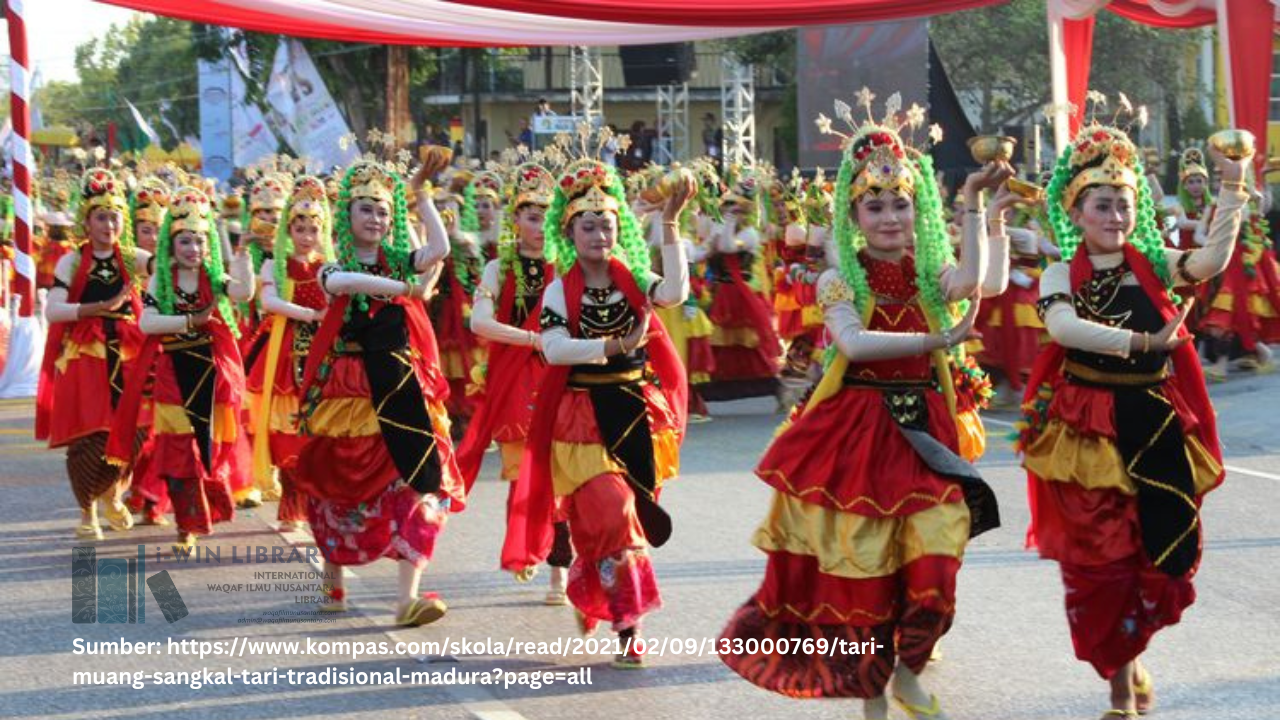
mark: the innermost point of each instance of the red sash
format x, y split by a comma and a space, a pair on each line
505, 363
529, 523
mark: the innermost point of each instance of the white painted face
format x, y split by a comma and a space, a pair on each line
1106, 217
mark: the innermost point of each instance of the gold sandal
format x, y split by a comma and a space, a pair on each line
118, 516
1144, 693
422, 611
918, 712
89, 531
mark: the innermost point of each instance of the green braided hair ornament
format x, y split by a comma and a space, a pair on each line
191, 205
579, 179
370, 180
1146, 235
468, 221
308, 197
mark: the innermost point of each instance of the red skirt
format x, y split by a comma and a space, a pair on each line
864, 543
81, 390
1011, 333
360, 509
744, 342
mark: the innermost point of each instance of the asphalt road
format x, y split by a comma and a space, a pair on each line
1007, 657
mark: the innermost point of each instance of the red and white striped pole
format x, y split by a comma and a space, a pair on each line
21, 375
23, 162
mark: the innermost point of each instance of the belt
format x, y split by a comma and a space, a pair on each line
622, 377
185, 344
1088, 374
892, 384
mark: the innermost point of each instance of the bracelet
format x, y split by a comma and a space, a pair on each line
1146, 342
672, 223
946, 338
187, 319
1237, 184
409, 286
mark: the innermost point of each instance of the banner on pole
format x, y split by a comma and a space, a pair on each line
304, 112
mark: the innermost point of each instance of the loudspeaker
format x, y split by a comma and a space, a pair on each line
648, 65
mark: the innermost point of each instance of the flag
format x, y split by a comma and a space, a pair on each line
143, 125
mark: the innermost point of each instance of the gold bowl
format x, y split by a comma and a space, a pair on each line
1272, 165
1022, 188
425, 152
986, 148
1234, 144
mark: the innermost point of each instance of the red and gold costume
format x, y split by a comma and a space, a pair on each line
605, 436
275, 406
871, 510
1120, 445
87, 359
377, 465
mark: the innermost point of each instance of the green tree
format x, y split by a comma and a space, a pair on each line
999, 55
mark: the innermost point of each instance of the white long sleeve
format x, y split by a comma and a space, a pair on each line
558, 347
855, 341
672, 288
996, 279
56, 307
153, 322
962, 280
342, 282
483, 311
1070, 330
1211, 259
276, 305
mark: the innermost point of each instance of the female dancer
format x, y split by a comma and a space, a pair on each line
508, 303
378, 467
93, 340
291, 296
1121, 443
746, 348
604, 437
872, 506
199, 375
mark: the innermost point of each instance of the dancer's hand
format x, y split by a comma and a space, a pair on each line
1167, 338
963, 331
990, 176
203, 317
682, 192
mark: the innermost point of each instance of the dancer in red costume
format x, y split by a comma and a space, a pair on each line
605, 437
377, 465
93, 342
295, 305
1120, 443
199, 374
508, 303
872, 506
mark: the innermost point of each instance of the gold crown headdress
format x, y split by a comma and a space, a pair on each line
269, 192
309, 199
531, 184
100, 189
585, 183
880, 157
372, 181
1192, 163
151, 201
1103, 154
487, 183
189, 211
